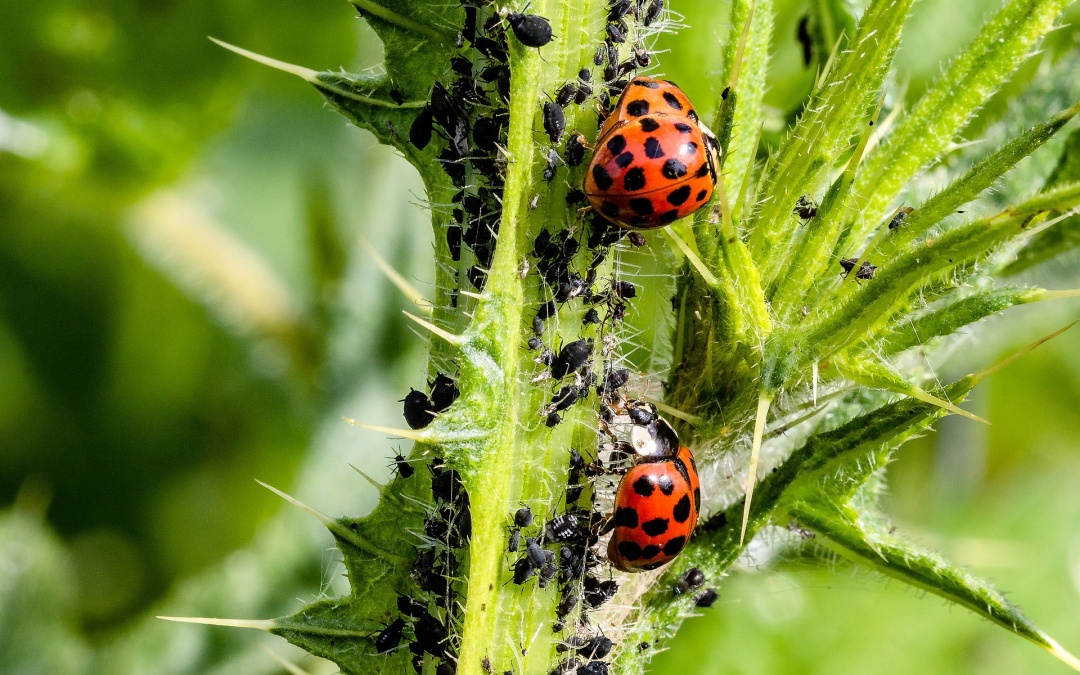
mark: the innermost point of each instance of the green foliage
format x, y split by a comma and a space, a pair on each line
758, 311
773, 351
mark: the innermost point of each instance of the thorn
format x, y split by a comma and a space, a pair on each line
291, 68
709, 277
755, 452
1061, 653
396, 498
418, 436
727, 228
674, 412
284, 662
455, 340
260, 624
319, 515
395, 278
926, 397
1057, 295
335, 527
470, 294
311, 76
1008, 360
743, 39
378, 486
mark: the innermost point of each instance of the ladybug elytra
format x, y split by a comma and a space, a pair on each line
655, 162
656, 509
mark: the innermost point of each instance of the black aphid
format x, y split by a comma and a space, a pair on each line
805, 208
554, 121
691, 580
571, 357
707, 598
390, 637
417, 409
566, 94
866, 270
523, 517
444, 392
404, 469
532, 30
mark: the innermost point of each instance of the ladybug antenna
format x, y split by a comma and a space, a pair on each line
764, 401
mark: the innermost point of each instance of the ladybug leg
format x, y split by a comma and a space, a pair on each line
582, 140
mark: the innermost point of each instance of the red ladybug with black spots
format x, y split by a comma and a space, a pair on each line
656, 510
655, 162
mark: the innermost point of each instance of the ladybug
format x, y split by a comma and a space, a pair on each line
655, 162
656, 509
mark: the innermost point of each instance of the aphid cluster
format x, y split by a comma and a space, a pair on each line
471, 114
431, 609
420, 408
652, 148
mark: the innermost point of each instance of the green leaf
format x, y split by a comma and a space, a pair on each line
979, 178
839, 106
946, 107
862, 539
919, 330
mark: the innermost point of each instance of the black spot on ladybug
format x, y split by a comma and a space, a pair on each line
701, 195
697, 502
634, 179
624, 160
531, 29
617, 144
610, 209
649, 84
681, 512
641, 206
655, 527
649, 124
639, 221
650, 551
681, 468
678, 197
673, 169
637, 108
629, 550
653, 150
683, 127
669, 216
703, 170
626, 516
674, 545
672, 100
644, 486
690, 148
602, 178
665, 484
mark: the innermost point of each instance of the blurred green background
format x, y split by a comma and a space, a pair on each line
184, 308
